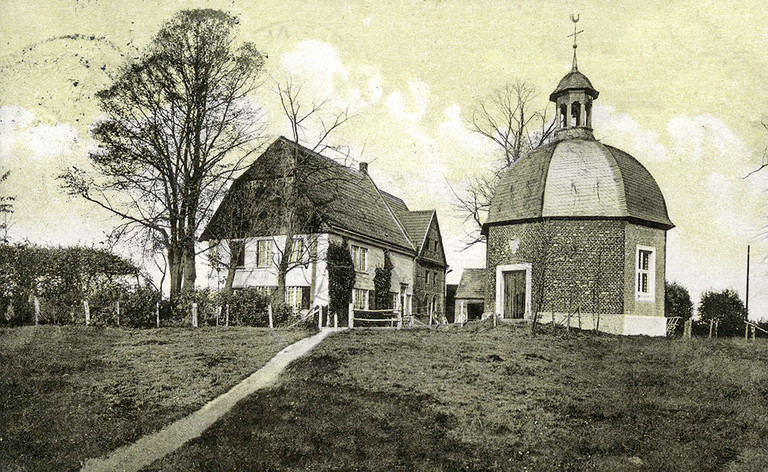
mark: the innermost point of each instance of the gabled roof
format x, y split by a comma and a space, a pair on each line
416, 223
352, 202
472, 284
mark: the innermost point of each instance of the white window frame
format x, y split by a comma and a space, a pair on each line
297, 257
366, 298
267, 259
295, 296
360, 258
650, 273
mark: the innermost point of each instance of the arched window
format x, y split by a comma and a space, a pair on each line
576, 114
563, 115
588, 110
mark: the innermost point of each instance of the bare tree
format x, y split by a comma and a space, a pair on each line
179, 124
285, 196
508, 118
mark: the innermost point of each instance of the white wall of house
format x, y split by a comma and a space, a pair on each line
402, 270
251, 275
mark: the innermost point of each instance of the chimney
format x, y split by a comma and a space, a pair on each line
364, 168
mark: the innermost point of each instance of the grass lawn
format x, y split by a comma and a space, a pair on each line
70, 393
484, 399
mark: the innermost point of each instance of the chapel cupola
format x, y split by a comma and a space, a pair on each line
573, 100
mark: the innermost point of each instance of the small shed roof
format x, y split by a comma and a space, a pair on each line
472, 284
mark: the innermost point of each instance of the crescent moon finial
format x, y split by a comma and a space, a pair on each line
575, 19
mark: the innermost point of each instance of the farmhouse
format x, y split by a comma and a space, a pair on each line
342, 205
577, 229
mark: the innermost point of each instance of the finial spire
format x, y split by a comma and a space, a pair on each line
575, 20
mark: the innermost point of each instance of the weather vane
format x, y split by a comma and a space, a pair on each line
575, 34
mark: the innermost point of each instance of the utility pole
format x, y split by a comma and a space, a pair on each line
746, 303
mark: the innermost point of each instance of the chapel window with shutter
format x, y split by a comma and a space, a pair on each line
645, 270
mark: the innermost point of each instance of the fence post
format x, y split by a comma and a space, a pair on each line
351, 316
688, 328
269, 313
335, 321
37, 311
711, 325
746, 330
157, 314
117, 312
218, 315
87, 312
717, 326
226, 318
400, 320
194, 314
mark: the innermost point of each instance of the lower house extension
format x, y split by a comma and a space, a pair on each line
372, 223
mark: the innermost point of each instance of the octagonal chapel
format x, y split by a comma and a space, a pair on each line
577, 230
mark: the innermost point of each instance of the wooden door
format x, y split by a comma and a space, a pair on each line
514, 294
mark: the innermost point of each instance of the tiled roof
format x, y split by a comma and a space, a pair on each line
472, 284
574, 80
351, 200
416, 223
578, 178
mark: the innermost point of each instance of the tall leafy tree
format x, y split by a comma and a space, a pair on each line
726, 308
677, 301
6, 210
179, 122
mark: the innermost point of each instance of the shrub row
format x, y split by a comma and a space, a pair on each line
138, 305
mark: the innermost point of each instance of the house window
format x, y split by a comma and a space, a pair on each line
298, 297
360, 258
426, 276
264, 253
645, 271
237, 249
265, 290
297, 251
360, 298
436, 246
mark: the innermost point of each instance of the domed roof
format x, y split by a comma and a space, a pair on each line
579, 178
574, 80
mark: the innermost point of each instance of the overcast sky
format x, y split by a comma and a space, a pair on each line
682, 88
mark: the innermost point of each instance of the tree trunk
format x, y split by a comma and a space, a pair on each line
232, 267
188, 262
174, 270
282, 267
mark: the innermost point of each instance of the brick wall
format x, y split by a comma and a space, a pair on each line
576, 261
637, 235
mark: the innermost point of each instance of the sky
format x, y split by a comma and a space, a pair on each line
681, 88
